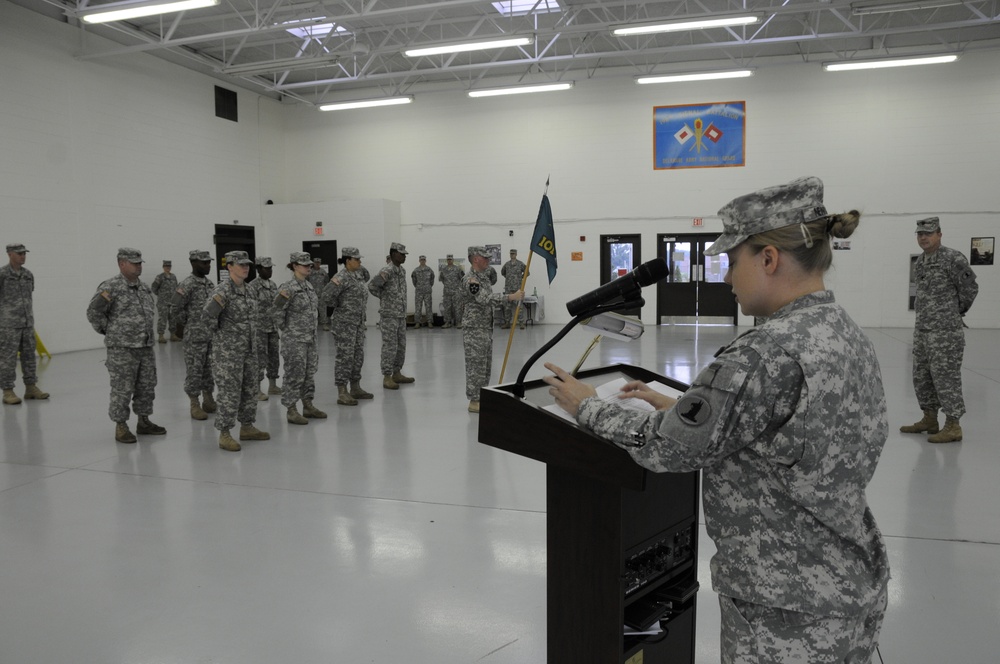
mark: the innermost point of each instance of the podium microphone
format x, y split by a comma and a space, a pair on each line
625, 288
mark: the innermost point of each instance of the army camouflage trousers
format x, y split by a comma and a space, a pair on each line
423, 307
163, 316
508, 312
755, 634
393, 344
268, 355
452, 312
133, 380
350, 340
478, 343
937, 370
301, 363
235, 371
198, 366
14, 340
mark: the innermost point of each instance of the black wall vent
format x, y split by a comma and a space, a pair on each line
225, 104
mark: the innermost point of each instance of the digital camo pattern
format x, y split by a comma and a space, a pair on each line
319, 277
423, 283
937, 370
348, 296
389, 286
263, 291
234, 353
477, 331
787, 424
188, 310
513, 273
164, 287
451, 280
123, 313
295, 316
17, 326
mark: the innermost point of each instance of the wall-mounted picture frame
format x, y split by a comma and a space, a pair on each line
981, 252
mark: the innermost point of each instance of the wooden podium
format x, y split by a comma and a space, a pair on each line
622, 542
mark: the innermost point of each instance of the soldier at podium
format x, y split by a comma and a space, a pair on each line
787, 424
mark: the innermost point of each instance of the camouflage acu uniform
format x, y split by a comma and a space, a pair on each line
348, 296
123, 313
787, 425
389, 286
319, 277
188, 310
423, 283
263, 291
17, 326
946, 289
451, 277
294, 315
232, 312
164, 286
477, 331
513, 272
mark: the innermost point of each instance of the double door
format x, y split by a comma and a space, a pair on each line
695, 290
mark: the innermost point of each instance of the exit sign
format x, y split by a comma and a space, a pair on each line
698, 221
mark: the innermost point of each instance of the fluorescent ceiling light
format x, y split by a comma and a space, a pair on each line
863, 9
289, 64
703, 76
469, 46
897, 62
676, 26
122, 11
520, 90
367, 103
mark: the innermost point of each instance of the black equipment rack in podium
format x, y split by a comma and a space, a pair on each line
622, 541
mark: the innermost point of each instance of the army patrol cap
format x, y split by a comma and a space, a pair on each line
300, 258
479, 250
167, 264
513, 252
131, 255
396, 246
264, 261
237, 258
16, 248
450, 257
422, 258
798, 202
351, 252
197, 255
929, 225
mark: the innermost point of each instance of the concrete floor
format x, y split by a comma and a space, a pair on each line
388, 534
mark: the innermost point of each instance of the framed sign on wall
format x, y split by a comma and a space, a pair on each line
699, 136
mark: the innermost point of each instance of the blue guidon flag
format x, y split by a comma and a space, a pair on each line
543, 242
699, 136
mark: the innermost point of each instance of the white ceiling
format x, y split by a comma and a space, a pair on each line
249, 42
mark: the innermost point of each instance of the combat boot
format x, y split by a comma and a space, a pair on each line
250, 432
309, 410
359, 393
951, 433
147, 428
928, 424
162, 339
122, 434
10, 398
293, 416
261, 396
400, 378
473, 406
228, 443
196, 412
345, 398
32, 392
446, 326
272, 387
389, 384
207, 402
174, 337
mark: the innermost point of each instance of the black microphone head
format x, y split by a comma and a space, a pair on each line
652, 271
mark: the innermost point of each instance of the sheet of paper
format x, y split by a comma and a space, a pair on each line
609, 392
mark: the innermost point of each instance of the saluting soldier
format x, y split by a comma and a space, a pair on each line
17, 327
164, 286
348, 296
122, 310
477, 323
294, 313
423, 284
389, 286
263, 290
193, 325
451, 276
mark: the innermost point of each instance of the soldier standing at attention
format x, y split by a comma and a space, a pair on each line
17, 327
232, 312
318, 277
294, 313
423, 283
946, 289
451, 276
513, 273
263, 291
348, 296
193, 325
122, 311
389, 286
477, 321
787, 425
164, 286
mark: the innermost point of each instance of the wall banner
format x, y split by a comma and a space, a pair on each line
699, 136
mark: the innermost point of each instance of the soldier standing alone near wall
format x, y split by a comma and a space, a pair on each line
193, 325
423, 284
263, 291
17, 327
389, 286
122, 311
164, 286
451, 276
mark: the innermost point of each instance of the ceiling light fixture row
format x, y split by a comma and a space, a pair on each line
123, 11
